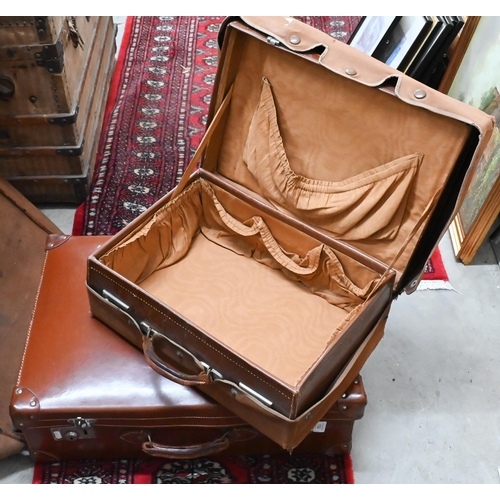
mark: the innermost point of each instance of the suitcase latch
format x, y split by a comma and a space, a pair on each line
115, 301
79, 428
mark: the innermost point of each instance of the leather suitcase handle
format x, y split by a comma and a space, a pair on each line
186, 452
168, 371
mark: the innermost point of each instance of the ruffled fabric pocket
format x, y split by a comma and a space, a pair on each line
368, 205
320, 270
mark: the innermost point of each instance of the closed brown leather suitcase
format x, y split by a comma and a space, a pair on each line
326, 181
83, 392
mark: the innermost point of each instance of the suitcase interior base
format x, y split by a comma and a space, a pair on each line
249, 307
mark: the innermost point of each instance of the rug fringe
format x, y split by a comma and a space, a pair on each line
435, 285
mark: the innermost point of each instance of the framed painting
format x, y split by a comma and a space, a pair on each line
372, 32
473, 76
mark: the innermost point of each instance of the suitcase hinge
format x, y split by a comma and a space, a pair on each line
51, 57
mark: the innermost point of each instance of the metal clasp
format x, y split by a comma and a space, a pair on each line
79, 428
145, 329
272, 41
115, 300
82, 423
255, 394
211, 372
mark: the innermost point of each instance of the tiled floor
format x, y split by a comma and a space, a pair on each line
433, 413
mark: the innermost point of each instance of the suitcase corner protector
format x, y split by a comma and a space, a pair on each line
24, 407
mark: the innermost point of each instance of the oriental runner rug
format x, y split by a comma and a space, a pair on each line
263, 469
156, 115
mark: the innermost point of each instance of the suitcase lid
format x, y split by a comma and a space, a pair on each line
22, 256
341, 141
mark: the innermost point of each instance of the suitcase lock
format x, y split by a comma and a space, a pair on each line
79, 428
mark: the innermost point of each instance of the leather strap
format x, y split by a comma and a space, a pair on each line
203, 145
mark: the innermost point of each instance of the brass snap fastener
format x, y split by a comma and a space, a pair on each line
420, 94
295, 39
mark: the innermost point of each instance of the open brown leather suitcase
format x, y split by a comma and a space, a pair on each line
78, 391
266, 276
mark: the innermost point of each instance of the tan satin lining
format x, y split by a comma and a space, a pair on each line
253, 309
368, 205
162, 241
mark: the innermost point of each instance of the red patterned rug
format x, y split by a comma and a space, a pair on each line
264, 469
156, 115
435, 276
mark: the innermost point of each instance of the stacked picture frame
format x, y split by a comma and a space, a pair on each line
459, 56
416, 45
